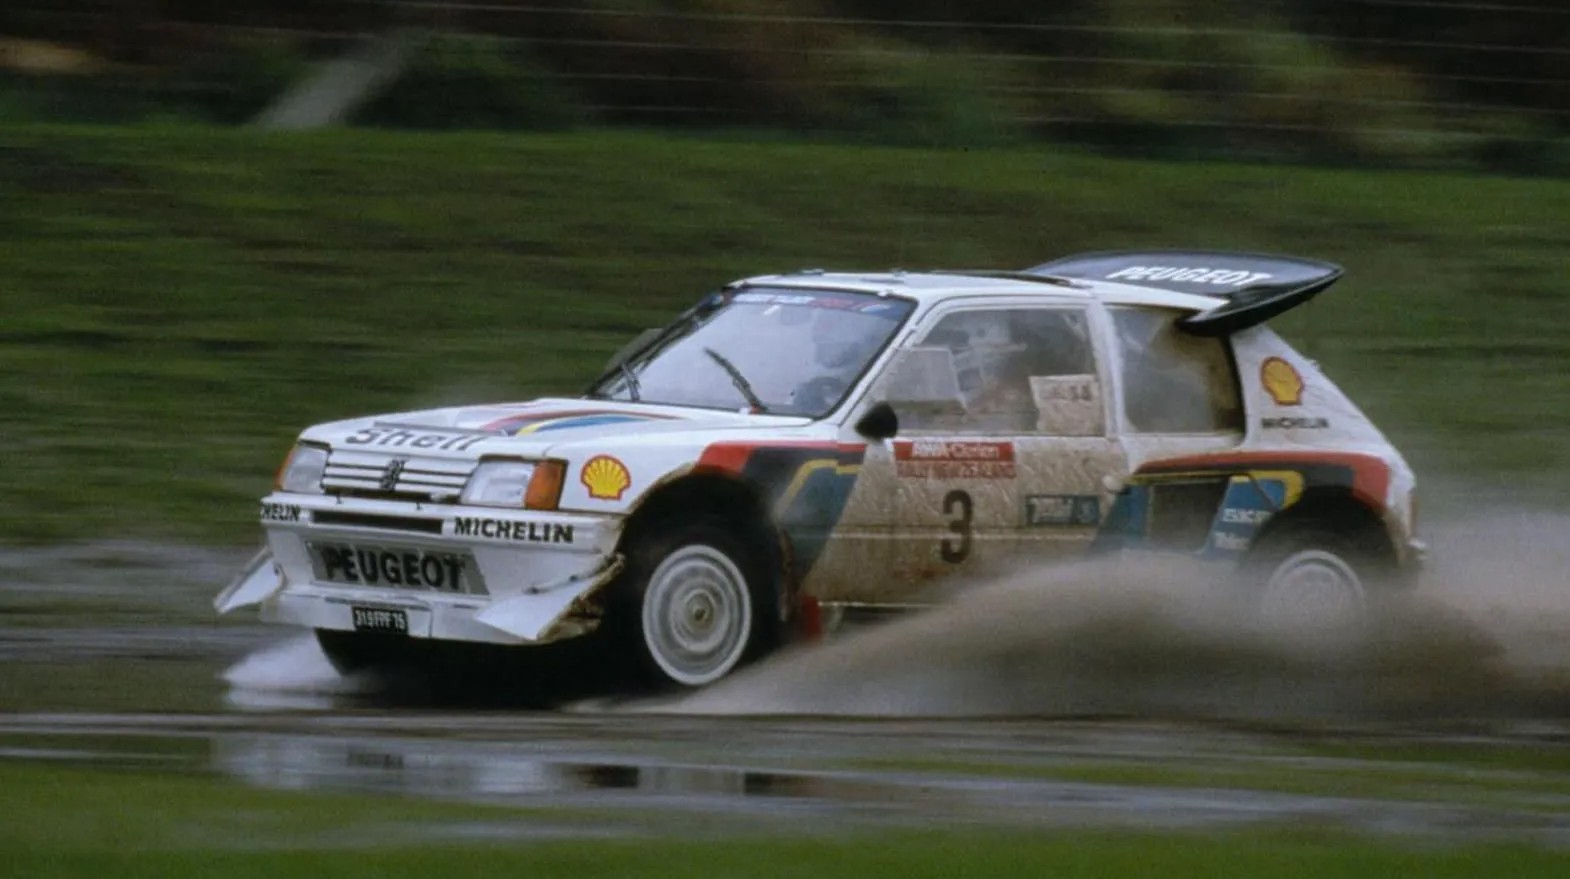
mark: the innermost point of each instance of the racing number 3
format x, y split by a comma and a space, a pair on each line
958, 507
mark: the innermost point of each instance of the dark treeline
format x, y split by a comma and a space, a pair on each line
1394, 79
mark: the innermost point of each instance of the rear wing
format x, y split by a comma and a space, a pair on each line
1255, 287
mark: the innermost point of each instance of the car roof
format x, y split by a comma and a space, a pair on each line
932, 287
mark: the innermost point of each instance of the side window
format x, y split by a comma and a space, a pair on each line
1006, 372
1174, 382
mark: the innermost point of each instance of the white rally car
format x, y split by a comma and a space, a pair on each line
811, 440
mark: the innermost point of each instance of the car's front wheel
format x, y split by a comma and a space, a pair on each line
699, 603
351, 652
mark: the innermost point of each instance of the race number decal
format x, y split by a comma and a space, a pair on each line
959, 508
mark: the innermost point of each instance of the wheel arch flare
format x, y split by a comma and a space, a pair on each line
1248, 495
787, 495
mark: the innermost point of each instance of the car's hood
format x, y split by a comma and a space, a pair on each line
526, 428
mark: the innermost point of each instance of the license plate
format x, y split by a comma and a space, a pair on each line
395, 567
376, 619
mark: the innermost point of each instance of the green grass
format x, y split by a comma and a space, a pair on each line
76, 809
78, 822
124, 683
180, 301
1551, 759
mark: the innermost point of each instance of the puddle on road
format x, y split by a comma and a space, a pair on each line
499, 774
648, 794
696, 776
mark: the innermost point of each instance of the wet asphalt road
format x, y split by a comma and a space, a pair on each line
108, 656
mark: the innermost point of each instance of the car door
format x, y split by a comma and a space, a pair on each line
1005, 453
1182, 402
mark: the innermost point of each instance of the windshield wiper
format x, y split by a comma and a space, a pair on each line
630, 379
737, 379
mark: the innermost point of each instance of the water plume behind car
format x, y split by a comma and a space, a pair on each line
1483, 639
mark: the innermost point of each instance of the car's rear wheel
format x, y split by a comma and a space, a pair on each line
697, 602
1311, 574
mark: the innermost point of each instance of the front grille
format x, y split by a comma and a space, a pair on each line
395, 477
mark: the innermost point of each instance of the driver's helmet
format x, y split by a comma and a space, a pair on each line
983, 347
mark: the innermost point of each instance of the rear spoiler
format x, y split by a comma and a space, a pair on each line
1255, 286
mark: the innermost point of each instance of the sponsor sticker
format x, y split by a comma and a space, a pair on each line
414, 439
280, 512
605, 477
516, 532
765, 298
1281, 381
1062, 510
1191, 275
1314, 423
1240, 516
954, 459
389, 566
1250, 501
1224, 541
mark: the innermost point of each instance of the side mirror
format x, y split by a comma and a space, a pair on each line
878, 423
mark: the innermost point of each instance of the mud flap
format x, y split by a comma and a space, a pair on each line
258, 581
532, 616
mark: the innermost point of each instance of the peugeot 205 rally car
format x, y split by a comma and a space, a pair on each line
820, 439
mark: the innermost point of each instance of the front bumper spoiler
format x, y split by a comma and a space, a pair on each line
259, 580
539, 615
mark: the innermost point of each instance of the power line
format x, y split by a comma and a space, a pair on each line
845, 21
700, 89
1464, 7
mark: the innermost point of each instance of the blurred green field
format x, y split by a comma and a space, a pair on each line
180, 301
90, 823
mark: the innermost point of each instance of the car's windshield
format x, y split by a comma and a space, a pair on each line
762, 349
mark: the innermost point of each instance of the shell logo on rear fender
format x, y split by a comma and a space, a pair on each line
1281, 381
605, 477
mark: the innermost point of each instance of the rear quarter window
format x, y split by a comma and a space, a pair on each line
1174, 382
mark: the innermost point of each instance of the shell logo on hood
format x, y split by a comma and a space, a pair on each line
1281, 381
605, 477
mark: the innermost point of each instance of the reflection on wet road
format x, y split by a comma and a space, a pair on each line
620, 774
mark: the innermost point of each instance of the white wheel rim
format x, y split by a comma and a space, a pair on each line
1313, 585
697, 614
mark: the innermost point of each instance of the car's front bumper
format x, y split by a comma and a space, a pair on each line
490, 575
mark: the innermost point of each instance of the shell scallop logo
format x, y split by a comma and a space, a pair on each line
605, 477
1281, 381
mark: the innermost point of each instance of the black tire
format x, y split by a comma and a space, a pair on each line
351, 652
423, 672
695, 602
1311, 573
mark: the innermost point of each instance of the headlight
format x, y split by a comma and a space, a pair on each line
302, 470
535, 485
